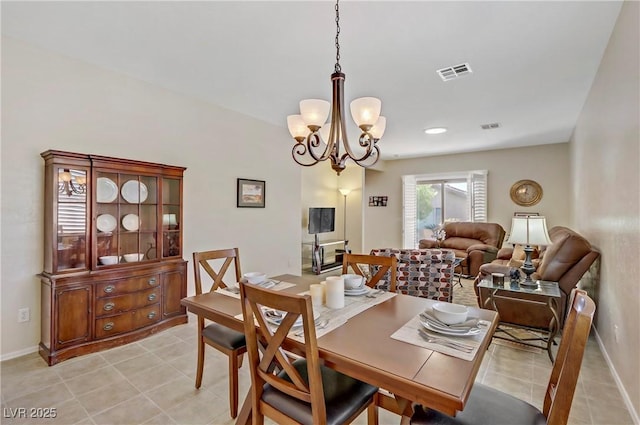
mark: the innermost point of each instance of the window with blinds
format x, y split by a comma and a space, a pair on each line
431, 199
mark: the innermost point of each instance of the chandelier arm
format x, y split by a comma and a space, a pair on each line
300, 149
370, 144
313, 141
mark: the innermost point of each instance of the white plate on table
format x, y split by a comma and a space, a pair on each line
451, 332
107, 190
131, 222
356, 292
276, 320
134, 192
106, 222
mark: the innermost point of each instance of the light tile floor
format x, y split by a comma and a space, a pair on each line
152, 382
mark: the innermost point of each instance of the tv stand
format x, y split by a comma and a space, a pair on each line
317, 255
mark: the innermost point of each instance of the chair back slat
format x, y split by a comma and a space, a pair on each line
566, 368
262, 337
205, 259
382, 265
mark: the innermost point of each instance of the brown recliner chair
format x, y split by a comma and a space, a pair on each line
565, 261
477, 243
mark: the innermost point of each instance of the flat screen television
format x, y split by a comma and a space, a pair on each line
322, 220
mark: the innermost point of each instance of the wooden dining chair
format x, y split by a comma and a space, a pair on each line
489, 406
301, 390
376, 268
225, 340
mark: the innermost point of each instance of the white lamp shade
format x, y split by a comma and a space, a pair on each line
314, 111
366, 110
297, 127
345, 192
530, 230
378, 129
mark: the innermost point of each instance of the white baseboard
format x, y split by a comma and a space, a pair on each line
616, 377
18, 353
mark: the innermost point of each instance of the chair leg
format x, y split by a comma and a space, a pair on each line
372, 411
240, 358
233, 384
200, 366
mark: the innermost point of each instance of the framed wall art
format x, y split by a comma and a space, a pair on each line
251, 193
378, 201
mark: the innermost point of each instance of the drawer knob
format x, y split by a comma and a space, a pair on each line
151, 315
108, 326
152, 281
151, 297
109, 306
109, 289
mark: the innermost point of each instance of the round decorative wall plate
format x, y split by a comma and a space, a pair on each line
526, 193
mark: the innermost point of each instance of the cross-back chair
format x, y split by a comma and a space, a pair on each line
222, 338
490, 406
381, 265
302, 390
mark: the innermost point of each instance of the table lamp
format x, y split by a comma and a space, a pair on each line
527, 231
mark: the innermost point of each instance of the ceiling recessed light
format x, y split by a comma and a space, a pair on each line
435, 130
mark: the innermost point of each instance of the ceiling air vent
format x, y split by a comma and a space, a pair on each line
454, 72
490, 126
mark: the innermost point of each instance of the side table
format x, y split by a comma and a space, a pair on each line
548, 291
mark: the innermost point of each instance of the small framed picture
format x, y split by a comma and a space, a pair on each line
251, 193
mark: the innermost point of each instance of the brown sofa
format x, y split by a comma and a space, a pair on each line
478, 243
565, 261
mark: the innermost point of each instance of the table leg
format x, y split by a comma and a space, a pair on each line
553, 325
404, 406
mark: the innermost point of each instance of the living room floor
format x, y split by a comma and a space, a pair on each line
152, 382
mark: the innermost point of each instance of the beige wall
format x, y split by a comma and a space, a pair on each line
320, 186
546, 164
605, 152
49, 101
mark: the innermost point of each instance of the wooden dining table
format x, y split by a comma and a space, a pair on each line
363, 348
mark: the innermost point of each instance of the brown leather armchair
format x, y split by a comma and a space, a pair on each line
565, 261
477, 243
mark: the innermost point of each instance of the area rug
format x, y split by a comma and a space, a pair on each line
464, 294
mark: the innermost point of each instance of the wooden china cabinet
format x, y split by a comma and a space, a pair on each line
113, 266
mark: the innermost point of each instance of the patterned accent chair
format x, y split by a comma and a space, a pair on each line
426, 273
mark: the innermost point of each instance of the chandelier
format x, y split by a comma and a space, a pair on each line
67, 186
318, 141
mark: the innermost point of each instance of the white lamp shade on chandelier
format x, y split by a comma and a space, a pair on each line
529, 230
365, 111
314, 112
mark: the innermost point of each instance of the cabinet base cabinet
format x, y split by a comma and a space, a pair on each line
88, 312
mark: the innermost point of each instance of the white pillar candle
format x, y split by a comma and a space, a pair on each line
335, 292
317, 292
324, 291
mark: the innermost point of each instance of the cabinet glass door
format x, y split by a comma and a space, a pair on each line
71, 219
171, 218
126, 218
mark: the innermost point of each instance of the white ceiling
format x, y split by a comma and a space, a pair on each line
533, 63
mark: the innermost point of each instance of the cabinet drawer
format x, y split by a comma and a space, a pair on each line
127, 321
124, 286
112, 305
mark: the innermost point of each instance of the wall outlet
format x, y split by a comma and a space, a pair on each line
24, 315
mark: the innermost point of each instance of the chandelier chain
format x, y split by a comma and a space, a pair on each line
338, 67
